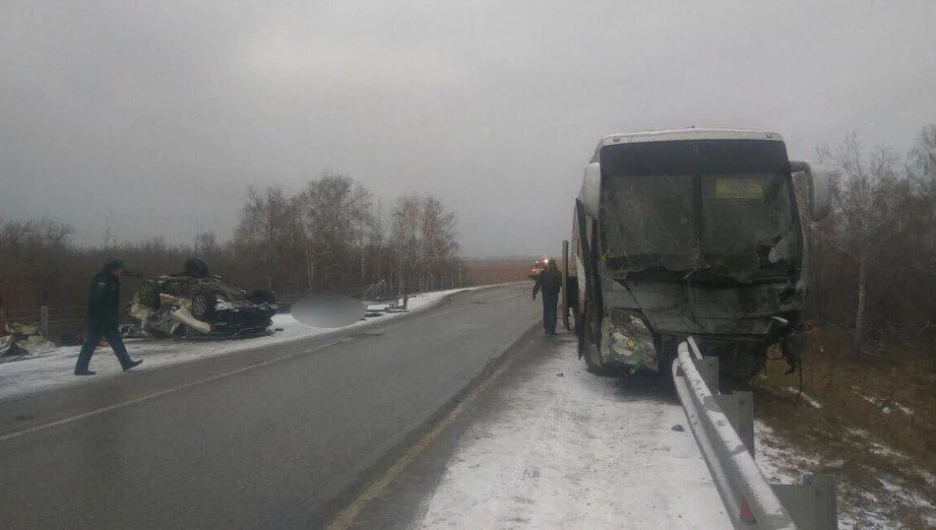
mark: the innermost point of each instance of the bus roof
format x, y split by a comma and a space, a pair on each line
692, 133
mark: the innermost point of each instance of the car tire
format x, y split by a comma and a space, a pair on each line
587, 347
590, 365
148, 295
203, 305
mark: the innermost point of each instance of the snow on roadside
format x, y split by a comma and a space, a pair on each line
812, 401
782, 464
885, 405
54, 369
779, 463
928, 477
572, 450
858, 508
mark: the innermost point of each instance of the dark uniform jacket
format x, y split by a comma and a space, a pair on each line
549, 281
103, 302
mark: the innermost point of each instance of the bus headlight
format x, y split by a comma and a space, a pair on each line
630, 339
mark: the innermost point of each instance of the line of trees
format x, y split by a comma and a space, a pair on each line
333, 236
873, 264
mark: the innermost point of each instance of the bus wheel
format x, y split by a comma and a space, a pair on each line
587, 348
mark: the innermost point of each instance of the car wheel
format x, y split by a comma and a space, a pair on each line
590, 364
587, 348
203, 304
148, 295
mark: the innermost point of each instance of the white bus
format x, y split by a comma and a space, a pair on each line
689, 232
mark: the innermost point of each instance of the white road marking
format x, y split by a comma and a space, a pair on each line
345, 519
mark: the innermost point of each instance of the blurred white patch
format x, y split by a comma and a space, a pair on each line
328, 311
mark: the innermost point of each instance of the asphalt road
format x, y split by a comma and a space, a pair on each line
279, 437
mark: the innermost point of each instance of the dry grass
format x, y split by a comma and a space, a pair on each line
877, 424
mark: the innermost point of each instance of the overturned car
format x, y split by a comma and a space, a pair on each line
195, 304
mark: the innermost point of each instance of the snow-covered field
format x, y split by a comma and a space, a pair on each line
572, 450
54, 368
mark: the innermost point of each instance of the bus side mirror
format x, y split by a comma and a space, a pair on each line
591, 189
820, 195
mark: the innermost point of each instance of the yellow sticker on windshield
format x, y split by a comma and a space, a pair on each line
733, 188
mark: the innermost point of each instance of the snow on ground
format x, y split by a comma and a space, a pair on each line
814, 403
780, 463
906, 410
54, 369
885, 405
572, 450
862, 509
928, 477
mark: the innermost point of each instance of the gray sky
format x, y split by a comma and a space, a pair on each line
160, 114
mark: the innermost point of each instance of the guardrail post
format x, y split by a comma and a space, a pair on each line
812, 505
826, 498
742, 486
44, 321
708, 369
739, 408
745, 419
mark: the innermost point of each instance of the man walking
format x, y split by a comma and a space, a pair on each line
549, 281
103, 308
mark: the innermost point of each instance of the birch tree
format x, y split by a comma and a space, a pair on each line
867, 213
267, 231
439, 244
405, 237
336, 215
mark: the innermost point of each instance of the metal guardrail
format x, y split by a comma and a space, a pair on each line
723, 426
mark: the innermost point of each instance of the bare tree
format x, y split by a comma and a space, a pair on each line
923, 173
267, 231
439, 246
923, 158
37, 251
423, 239
336, 213
377, 241
405, 233
867, 211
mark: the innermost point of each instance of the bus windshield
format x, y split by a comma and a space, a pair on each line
726, 206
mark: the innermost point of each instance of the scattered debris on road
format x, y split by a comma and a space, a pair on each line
20, 340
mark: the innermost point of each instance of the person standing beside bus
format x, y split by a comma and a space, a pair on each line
549, 281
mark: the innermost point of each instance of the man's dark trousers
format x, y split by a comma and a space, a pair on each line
91, 342
549, 314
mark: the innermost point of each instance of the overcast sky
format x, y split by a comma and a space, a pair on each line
160, 114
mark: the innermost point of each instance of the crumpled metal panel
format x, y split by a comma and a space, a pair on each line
745, 309
629, 340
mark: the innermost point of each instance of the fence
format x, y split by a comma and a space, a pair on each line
56, 323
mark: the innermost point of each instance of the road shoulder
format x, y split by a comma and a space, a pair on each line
548, 446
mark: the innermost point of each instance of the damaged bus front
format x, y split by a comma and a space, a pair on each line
689, 232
